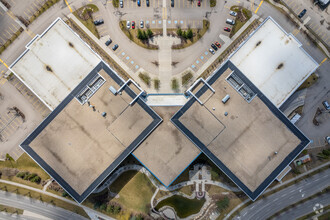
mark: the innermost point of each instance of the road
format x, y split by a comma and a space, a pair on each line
266, 207
36, 206
306, 207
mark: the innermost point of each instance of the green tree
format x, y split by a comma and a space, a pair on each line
189, 34
103, 207
223, 204
184, 34
179, 32
149, 33
144, 34
116, 209
139, 34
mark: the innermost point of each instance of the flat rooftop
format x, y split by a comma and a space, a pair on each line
274, 61
54, 63
253, 143
167, 152
78, 146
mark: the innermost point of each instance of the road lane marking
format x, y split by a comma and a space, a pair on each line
66, 2
259, 6
323, 61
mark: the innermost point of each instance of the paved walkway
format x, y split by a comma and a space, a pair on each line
88, 210
166, 100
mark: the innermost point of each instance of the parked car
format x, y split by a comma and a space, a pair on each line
147, 3
327, 139
212, 51
139, 2
108, 42
98, 22
141, 24
302, 13
226, 29
214, 47
128, 24
172, 3
217, 44
115, 47
326, 105
199, 3
121, 3
230, 21
232, 13
133, 24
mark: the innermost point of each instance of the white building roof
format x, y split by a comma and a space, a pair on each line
54, 63
274, 61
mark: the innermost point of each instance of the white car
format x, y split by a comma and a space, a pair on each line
128, 25
141, 24
232, 13
212, 51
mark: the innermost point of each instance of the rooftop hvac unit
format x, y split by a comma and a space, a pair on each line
113, 90
225, 99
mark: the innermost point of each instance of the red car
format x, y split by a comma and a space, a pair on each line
199, 3
217, 44
226, 29
133, 24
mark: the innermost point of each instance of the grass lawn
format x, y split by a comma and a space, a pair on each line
25, 163
184, 207
11, 210
135, 191
132, 34
309, 81
240, 21
197, 33
43, 198
186, 190
84, 14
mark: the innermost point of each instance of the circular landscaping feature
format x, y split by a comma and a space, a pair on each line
183, 207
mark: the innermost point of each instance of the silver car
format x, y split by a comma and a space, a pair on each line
212, 51
141, 24
232, 13
128, 24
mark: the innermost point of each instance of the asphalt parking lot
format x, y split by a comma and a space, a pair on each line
8, 27
315, 18
159, 3
14, 127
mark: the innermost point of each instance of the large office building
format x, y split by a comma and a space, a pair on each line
98, 119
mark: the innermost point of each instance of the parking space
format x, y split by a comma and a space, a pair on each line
318, 25
34, 100
127, 59
181, 4
8, 27
190, 4
26, 8
9, 123
321, 32
205, 56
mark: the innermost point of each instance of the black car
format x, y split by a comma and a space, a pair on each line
302, 13
108, 42
98, 22
172, 3
115, 47
214, 47
147, 2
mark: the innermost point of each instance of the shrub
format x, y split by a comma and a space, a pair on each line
189, 34
103, 207
184, 34
149, 33
22, 174
65, 194
145, 78
175, 84
186, 77
223, 204
35, 179
156, 83
179, 32
115, 3
213, 3
139, 34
